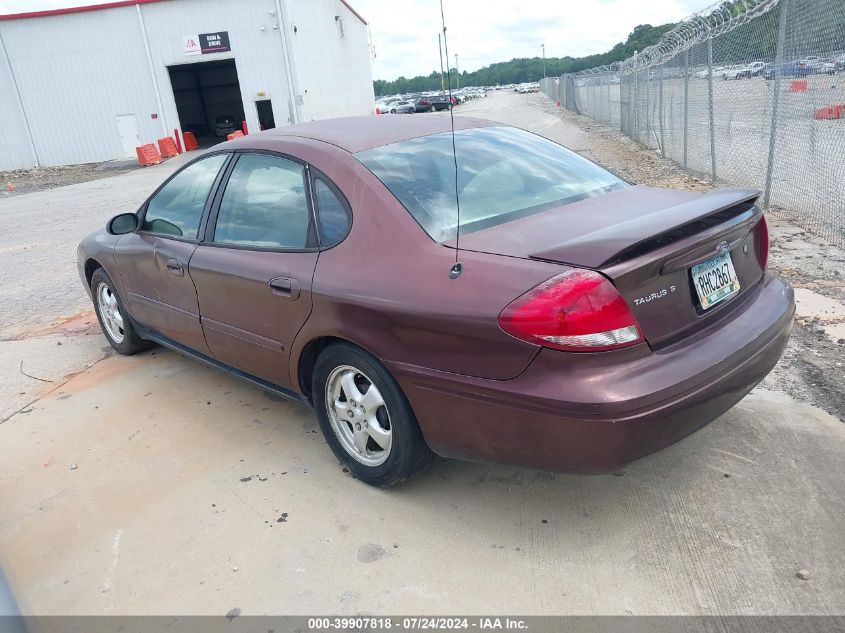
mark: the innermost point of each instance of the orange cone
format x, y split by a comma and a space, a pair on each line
190, 142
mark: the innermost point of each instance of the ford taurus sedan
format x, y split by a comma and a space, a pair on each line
512, 302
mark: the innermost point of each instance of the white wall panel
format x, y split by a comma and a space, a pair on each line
77, 72
333, 66
15, 150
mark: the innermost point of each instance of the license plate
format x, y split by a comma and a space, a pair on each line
715, 280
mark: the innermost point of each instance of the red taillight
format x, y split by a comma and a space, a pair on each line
761, 241
577, 311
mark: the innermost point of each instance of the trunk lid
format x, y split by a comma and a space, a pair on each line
646, 241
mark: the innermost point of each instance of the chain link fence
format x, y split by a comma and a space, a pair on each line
748, 93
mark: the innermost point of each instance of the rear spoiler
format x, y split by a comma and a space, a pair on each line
624, 240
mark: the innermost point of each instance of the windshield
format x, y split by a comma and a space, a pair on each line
503, 174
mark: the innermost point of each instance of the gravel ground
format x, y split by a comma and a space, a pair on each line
20, 181
812, 367
39, 233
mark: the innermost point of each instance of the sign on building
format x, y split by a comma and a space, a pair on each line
202, 43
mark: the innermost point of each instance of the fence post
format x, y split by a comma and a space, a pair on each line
660, 112
686, 103
710, 105
603, 99
648, 101
636, 111
767, 195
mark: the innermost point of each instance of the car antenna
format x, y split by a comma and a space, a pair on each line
456, 270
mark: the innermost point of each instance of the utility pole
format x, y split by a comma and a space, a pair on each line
543, 46
440, 50
457, 72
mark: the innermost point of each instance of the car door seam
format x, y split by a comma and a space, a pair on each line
196, 294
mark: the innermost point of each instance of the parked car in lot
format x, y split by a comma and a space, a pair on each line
755, 69
225, 124
384, 105
733, 72
825, 67
746, 71
433, 103
811, 62
718, 71
570, 321
401, 107
786, 69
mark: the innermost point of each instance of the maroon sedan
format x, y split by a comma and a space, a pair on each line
512, 302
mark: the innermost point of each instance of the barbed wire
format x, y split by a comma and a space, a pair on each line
774, 120
715, 20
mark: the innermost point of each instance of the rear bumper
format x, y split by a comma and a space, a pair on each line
594, 413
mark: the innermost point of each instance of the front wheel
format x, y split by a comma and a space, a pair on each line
114, 320
365, 417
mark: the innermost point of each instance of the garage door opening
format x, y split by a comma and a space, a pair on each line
208, 99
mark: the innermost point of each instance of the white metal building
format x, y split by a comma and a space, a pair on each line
89, 84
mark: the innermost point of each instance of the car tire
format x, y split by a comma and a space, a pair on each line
114, 320
393, 111
352, 417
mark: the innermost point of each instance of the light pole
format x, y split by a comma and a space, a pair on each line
440, 50
543, 46
457, 72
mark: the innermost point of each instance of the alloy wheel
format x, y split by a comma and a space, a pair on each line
110, 313
358, 415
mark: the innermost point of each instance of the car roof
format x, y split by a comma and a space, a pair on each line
355, 134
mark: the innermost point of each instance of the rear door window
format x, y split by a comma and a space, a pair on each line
333, 213
265, 204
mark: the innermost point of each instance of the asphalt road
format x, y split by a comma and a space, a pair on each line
152, 484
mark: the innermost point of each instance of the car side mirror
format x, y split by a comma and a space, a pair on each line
122, 224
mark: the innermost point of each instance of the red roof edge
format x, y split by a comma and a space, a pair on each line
354, 12
82, 9
111, 5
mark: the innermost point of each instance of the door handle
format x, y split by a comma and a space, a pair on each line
175, 266
285, 287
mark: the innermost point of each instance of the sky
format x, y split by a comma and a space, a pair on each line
404, 32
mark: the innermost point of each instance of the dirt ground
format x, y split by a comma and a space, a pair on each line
20, 181
154, 485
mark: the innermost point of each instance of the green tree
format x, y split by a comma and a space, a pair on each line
526, 69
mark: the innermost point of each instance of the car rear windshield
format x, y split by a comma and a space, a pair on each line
503, 173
